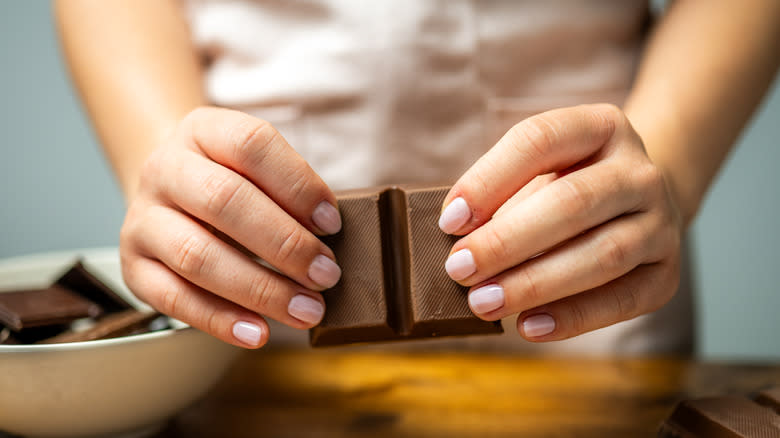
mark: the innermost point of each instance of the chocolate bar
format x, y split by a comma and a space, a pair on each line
393, 284
44, 307
724, 417
124, 323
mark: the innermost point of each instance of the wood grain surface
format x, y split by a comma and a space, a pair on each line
356, 393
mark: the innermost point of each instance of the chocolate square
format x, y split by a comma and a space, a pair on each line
44, 307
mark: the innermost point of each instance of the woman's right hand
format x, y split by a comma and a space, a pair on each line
225, 173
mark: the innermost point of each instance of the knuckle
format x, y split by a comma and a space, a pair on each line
494, 245
293, 244
651, 177
534, 136
261, 292
627, 302
577, 319
530, 290
575, 197
220, 191
250, 141
168, 302
648, 181
211, 322
663, 237
191, 255
480, 180
607, 117
612, 255
299, 182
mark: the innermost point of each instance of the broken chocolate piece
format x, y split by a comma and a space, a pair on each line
721, 417
393, 284
125, 323
81, 281
44, 307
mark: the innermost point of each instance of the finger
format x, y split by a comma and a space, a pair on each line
524, 193
587, 261
211, 264
255, 149
548, 142
643, 290
234, 206
170, 294
561, 210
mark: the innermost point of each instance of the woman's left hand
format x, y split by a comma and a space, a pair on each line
567, 223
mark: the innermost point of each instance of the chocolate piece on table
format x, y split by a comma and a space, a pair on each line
393, 284
43, 307
721, 417
124, 323
81, 281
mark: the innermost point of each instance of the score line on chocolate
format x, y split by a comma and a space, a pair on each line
393, 284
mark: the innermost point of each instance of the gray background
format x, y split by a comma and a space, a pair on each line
58, 193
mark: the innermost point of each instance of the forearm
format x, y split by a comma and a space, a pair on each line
704, 72
134, 65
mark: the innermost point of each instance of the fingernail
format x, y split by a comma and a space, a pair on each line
460, 265
486, 299
454, 216
538, 325
306, 309
324, 271
326, 217
247, 332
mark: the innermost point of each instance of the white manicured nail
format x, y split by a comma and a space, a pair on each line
454, 216
327, 218
486, 299
306, 309
460, 265
538, 325
324, 271
248, 333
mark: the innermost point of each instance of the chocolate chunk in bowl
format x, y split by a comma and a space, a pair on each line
124, 323
54, 305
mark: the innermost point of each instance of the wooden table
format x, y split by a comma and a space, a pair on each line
353, 393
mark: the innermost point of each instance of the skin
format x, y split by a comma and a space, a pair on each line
576, 214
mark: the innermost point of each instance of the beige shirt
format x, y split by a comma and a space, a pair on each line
414, 91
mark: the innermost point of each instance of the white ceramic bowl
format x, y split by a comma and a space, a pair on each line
122, 386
